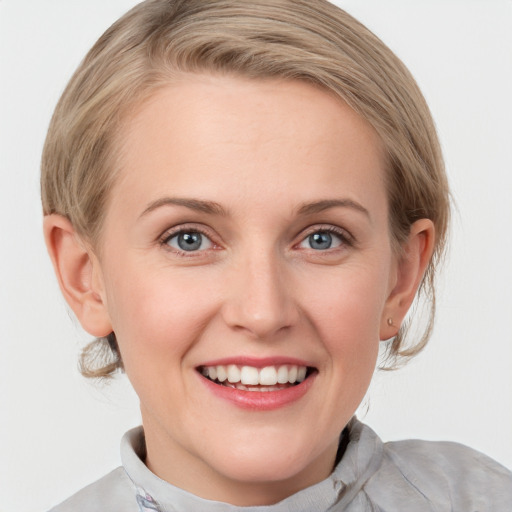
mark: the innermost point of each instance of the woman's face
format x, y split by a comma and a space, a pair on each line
247, 239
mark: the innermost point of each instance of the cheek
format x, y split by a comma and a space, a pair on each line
157, 318
346, 309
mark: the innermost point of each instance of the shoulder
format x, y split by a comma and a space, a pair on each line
451, 472
112, 493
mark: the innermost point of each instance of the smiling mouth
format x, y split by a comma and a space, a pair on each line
250, 378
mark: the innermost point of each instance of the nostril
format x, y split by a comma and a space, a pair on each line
258, 323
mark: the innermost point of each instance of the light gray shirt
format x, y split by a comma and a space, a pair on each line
372, 476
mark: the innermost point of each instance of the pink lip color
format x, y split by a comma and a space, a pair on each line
260, 400
257, 362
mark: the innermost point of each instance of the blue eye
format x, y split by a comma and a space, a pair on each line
322, 240
189, 241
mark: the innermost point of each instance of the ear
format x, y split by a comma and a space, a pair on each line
410, 268
78, 273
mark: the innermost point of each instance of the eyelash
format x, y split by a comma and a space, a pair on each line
169, 235
346, 239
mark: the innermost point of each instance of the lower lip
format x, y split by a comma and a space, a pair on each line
260, 400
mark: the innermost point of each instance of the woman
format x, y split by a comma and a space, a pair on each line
241, 202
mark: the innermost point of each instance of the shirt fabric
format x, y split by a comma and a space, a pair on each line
372, 476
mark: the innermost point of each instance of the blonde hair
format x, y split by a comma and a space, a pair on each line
310, 40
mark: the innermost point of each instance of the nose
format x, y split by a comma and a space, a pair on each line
260, 300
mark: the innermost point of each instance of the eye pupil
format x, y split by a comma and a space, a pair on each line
190, 241
320, 240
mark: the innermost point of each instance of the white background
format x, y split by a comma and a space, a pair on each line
59, 432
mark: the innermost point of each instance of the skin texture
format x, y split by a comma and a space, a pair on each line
256, 287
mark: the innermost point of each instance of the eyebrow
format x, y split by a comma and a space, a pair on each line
213, 208
326, 204
199, 205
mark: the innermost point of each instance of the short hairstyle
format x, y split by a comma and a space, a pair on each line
308, 40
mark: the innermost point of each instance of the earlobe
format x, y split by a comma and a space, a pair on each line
78, 274
411, 267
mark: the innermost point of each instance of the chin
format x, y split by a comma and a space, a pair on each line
277, 462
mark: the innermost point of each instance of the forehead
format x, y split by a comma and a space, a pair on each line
230, 138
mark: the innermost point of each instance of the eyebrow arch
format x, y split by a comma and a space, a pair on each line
325, 204
194, 204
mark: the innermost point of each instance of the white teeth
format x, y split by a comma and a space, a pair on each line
282, 375
221, 373
233, 373
251, 376
268, 376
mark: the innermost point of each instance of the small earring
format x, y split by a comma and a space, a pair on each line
390, 321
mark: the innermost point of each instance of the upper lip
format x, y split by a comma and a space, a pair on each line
256, 362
